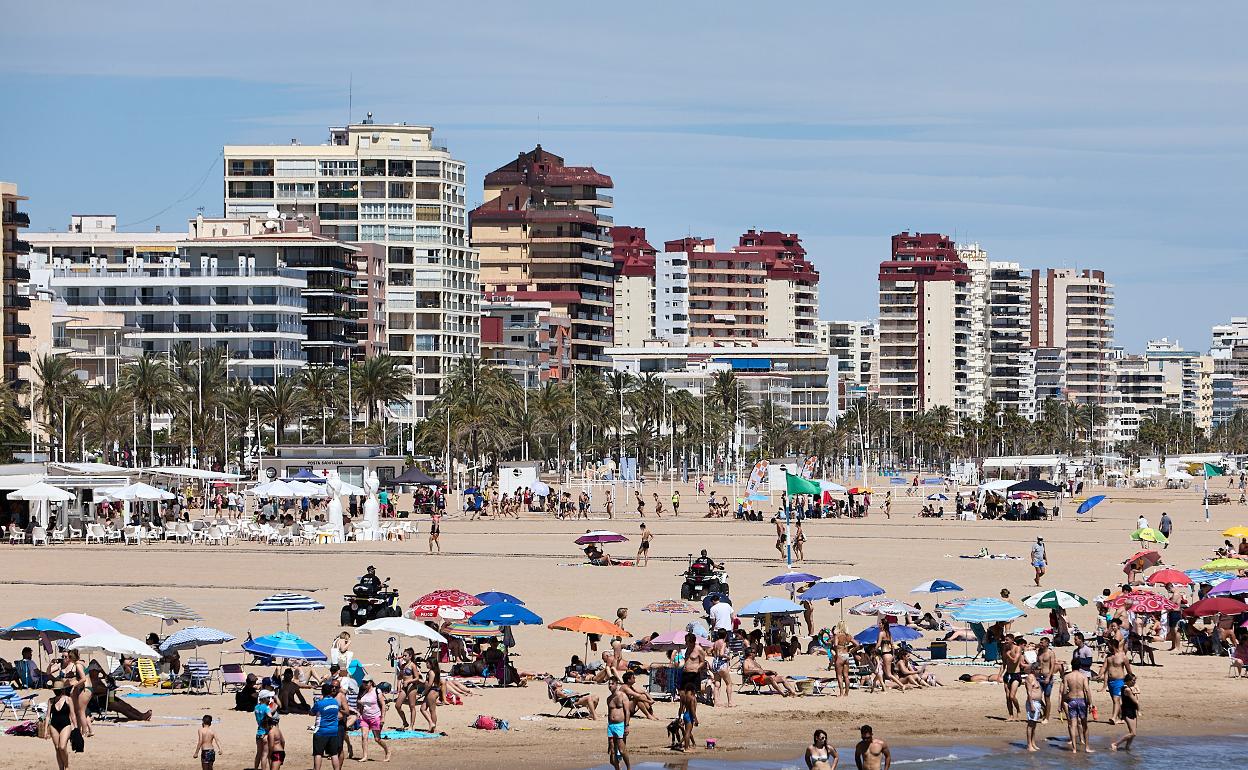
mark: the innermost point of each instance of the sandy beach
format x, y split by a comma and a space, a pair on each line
535, 559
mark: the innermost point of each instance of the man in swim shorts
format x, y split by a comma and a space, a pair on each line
618, 707
1039, 558
692, 670
1077, 697
1034, 705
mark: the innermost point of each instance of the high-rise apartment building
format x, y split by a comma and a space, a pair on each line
524, 338
976, 260
1229, 351
764, 288
1010, 361
651, 290
1188, 379
1073, 309
541, 235
12, 221
925, 325
853, 345
390, 185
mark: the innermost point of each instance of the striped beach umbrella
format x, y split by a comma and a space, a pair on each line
283, 644
883, 606
168, 610
1055, 599
987, 610
670, 607
1206, 576
194, 637
935, 587
466, 630
288, 603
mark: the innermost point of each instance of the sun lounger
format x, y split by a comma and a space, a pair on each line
148, 676
232, 677
198, 675
11, 701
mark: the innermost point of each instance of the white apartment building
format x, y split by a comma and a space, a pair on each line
1188, 379
390, 185
1073, 309
651, 290
853, 345
978, 267
1010, 362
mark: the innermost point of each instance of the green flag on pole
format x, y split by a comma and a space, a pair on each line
1213, 470
796, 485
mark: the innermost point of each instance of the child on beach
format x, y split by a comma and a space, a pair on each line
1130, 711
207, 746
1035, 704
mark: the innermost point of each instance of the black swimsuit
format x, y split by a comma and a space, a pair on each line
58, 717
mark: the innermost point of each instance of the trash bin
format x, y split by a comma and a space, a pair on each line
940, 650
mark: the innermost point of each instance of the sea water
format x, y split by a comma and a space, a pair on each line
1151, 753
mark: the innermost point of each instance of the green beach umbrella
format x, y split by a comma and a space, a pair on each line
1054, 599
1149, 535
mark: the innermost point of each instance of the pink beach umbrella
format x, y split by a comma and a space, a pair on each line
84, 624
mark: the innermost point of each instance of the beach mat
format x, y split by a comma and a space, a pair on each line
399, 735
130, 695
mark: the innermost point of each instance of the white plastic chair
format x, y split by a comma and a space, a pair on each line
58, 535
38, 536
96, 532
17, 536
213, 536
134, 535
75, 534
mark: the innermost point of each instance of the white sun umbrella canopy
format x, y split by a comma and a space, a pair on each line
276, 488
141, 492
402, 627
41, 495
307, 489
288, 603
116, 644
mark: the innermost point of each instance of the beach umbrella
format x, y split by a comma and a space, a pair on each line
276, 488
140, 492
1211, 578
307, 489
288, 603
899, 633
1149, 535
168, 610
600, 536
938, 496
84, 624
402, 627
769, 605
1169, 576
1225, 565
466, 630
987, 610
831, 486
953, 604
116, 644
1144, 559
445, 604
588, 624
935, 587
1232, 587
193, 638
1054, 599
37, 628
494, 597
883, 606
283, 644
675, 640
1143, 601
860, 490
1232, 532
1089, 504
414, 476
670, 607
506, 614
43, 492
539, 488
789, 578
1215, 605
840, 587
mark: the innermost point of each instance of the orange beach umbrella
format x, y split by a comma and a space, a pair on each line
588, 624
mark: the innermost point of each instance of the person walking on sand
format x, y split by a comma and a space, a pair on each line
618, 708
675, 503
691, 672
643, 548
1165, 527
62, 721
1035, 704
372, 705
888, 504
872, 753
819, 755
658, 505
326, 741
206, 744
641, 504
1077, 697
799, 542
1130, 712
1039, 558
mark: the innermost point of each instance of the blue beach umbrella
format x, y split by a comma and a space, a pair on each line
283, 644
1089, 504
935, 587
769, 605
34, 628
792, 577
841, 587
497, 597
988, 610
505, 614
1202, 576
305, 475
899, 633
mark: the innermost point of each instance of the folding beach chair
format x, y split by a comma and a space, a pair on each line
148, 676
198, 675
11, 701
232, 676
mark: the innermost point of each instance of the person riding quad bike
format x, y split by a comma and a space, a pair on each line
370, 598
703, 577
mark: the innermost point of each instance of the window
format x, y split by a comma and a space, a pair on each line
400, 189
339, 168
296, 190
428, 233
372, 168
366, 141
428, 213
251, 190
296, 168
400, 233
427, 168
430, 190
400, 168
401, 211
372, 232
372, 211
338, 189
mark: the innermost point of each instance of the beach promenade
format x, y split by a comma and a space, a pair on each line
535, 559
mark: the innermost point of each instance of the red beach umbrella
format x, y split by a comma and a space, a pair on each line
444, 604
1172, 576
1214, 605
1144, 601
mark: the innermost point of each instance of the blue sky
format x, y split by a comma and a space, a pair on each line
1108, 135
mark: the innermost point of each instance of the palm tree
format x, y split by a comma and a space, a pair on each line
108, 417
321, 386
58, 385
148, 382
378, 381
281, 404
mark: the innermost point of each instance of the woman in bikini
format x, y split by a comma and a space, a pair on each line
842, 653
721, 671
433, 693
819, 755
79, 682
407, 686
62, 720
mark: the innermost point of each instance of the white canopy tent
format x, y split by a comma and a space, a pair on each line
41, 496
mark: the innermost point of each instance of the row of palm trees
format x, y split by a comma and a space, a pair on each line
182, 407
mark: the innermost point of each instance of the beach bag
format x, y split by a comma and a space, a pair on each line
484, 722
42, 729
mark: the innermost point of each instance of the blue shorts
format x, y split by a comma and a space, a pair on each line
1077, 708
1115, 687
1038, 564
615, 729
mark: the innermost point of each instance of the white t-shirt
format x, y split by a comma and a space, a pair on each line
721, 616
1141, 523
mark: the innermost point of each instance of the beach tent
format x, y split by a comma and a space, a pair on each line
1035, 485
414, 476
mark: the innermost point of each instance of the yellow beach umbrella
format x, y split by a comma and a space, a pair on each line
1236, 532
1224, 565
1148, 535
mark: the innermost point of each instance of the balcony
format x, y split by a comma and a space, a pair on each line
17, 274
20, 357
17, 330
19, 218
18, 246
18, 301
